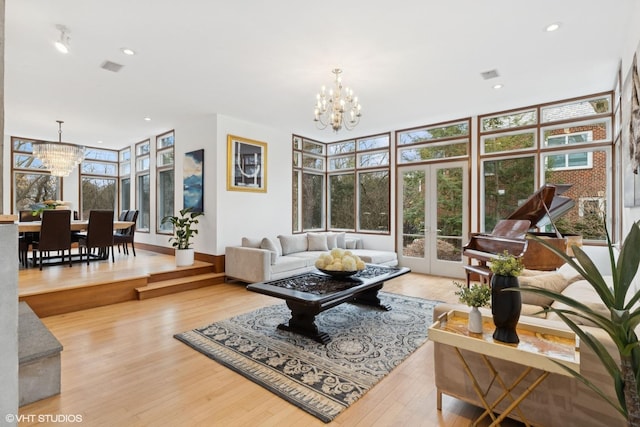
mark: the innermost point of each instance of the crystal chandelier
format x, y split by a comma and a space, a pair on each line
58, 157
337, 108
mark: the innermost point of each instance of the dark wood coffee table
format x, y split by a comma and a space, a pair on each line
311, 293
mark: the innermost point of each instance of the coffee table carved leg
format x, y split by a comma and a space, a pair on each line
370, 297
302, 322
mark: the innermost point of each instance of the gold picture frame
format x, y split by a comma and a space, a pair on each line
246, 164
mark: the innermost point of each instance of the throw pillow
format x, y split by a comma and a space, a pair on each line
350, 244
293, 243
582, 291
317, 242
332, 240
340, 240
551, 281
251, 242
269, 245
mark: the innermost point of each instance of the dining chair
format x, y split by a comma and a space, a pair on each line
55, 234
99, 235
25, 238
124, 237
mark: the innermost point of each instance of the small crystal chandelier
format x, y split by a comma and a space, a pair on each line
336, 108
58, 157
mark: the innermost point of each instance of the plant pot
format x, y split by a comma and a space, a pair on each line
475, 321
505, 307
184, 257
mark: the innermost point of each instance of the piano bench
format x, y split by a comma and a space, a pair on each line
483, 272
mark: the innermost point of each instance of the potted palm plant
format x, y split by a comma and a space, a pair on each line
620, 325
184, 230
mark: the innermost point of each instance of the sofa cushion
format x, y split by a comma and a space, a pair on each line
317, 242
375, 257
553, 281
251, 242
288, 263
582, 291
293, 243
273, 247
332, 240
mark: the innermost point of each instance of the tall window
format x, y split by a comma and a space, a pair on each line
165, 181
568, 142
31, 182
143, 186
98, 180
341, 186
125, 179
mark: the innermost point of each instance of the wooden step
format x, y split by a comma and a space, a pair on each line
179, 284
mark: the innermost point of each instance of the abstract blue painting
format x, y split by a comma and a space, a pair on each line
193, 180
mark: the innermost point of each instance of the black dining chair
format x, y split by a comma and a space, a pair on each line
55, 234
99, 235
26, 238
124, 237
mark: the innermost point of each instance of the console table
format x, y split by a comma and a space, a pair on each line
309, 294
539, 348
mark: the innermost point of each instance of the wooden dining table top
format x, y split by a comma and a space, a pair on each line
34, 226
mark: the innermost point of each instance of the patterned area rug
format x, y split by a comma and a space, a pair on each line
366, 344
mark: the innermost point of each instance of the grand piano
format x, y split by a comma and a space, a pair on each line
512, 235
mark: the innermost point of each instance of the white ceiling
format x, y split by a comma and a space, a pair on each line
411, 62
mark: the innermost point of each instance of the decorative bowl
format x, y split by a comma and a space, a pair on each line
338, 274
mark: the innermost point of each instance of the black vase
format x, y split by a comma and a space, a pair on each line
505, 307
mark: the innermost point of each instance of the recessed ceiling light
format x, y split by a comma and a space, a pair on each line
148, 119
552, 27
497, 86
99, 142
128, 51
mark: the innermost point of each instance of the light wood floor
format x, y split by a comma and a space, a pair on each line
122, 366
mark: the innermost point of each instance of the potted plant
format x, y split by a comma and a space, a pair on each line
474, 296
505, 306
183, 234
620, 325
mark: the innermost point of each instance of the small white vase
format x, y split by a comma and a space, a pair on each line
184, 257
475, 321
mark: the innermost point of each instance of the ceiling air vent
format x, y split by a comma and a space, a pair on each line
491, 74
111, 66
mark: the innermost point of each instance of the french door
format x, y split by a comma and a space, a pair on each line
433, 217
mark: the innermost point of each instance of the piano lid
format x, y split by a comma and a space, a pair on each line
545, 205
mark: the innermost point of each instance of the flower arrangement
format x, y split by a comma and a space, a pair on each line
339, 260
506, 265
474, 295
37, 208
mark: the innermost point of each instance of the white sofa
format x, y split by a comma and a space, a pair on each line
266, 258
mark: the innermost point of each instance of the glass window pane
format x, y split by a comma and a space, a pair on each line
164, 141
296, 159
413, 213
30, 188
142, 148
576, 109
373, 200
342, 201
506, 184
381, 141
91, 153
165, 200
97, 193
23, 145
579, 133
449, 188
296, 201
312, 147
373, 159
125, 169
125, 194
98, 168
26, 161
432, 152
312, 201
143, 164
164, 158
125, 155
511, 120
297, 143
588, 191
508, 142
341, 163
433, 133
143, 202
310, 162
341, 148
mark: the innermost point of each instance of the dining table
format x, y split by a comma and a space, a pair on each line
34, 226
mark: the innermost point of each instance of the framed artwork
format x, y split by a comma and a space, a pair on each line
246, 164
630, 134
193, 180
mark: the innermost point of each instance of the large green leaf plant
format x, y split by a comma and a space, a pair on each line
184, 227
620, 325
